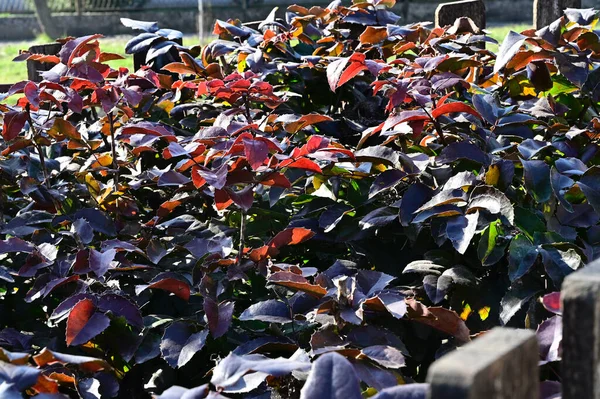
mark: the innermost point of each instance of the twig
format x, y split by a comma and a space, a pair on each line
436, 125
242, 238
38, 148
111, 122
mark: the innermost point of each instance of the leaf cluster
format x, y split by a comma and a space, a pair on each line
318, 207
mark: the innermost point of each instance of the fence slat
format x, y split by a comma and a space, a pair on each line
447, 13
502, 364
547, 11
580, 296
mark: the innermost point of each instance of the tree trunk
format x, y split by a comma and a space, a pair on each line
42, 13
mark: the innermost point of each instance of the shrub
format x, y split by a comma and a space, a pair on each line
329, 183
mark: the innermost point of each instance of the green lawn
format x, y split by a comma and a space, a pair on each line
12, 72
500, 32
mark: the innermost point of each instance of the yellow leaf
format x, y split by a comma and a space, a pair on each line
92, 184
484, 313
466, 312
317, 181
379, 167
493, 175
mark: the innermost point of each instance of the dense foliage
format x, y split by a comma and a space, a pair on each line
331, 198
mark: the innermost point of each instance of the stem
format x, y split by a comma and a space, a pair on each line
242, 238
436, 125
247, 110
113, 146
38, 148
225, 65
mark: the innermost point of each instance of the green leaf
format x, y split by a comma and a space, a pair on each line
537, 179
528, 222
522, 254
491, 248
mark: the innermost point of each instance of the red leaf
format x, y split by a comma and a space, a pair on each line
305, 120
449, 108
167, 207
180, 68
173, 285
196, 178
373, 35
13, 124
354, 69
552, 302
52, 59
16, 146
303, 163
104, 57
295, 281
334, 71
276, 179
291, 236
75, 48
222, 199
256, 152
441, 319
84, 323
258, 254
32, 93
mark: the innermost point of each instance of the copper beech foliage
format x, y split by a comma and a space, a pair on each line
331, 198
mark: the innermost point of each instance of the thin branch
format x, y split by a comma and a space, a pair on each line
113, 146
242, 238
38, 148
436, 125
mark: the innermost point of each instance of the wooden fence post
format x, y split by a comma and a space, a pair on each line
547, 11
35, 67
580, 296
447, 13
502, 364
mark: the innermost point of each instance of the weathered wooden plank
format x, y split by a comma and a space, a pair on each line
580, 296
502, 364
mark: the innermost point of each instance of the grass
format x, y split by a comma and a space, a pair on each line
11, 72
499, 32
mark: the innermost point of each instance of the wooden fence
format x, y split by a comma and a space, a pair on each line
503, 363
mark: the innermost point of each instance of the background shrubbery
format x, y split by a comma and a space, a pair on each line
329, 183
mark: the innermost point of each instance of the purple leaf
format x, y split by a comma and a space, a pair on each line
332, 377
219, 316
461, 229
172, 178
386, 356
231, 369
83, 229
509, 48
215, 177
21, 377
121, 306
15, 245
179, 343
408, 391
177, 392
270, 311
549, 336
256, 152
100, 261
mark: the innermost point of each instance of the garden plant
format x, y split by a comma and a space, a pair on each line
317, 207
